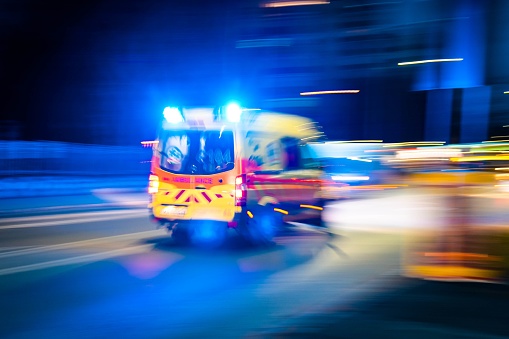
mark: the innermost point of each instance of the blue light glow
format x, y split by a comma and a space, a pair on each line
233, 112
173, 115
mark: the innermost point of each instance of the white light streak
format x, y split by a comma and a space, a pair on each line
341, 91
428, 61
295, 3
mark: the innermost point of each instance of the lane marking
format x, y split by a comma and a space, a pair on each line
124, 215
77, 260
40, 249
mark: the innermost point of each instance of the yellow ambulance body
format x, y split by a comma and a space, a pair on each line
228, 167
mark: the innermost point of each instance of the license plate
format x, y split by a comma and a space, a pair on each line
178, 211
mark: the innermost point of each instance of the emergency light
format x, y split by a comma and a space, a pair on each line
173, 115
233, 112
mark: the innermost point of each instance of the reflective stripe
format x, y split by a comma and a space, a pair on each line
180, 196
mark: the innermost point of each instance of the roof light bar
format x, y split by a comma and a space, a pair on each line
173, 115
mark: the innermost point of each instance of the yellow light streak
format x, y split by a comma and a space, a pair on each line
318, 208
482, 158
250, 214
416, 143
280, 211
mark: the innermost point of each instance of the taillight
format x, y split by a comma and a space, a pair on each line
240, 190
153, 184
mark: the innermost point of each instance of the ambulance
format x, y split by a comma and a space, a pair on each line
215, 169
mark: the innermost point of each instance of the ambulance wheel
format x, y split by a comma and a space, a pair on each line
264, 225
180, 236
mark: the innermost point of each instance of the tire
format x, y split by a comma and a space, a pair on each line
180, 236
264, 225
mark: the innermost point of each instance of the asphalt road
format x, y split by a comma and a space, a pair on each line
108, 272
97, 269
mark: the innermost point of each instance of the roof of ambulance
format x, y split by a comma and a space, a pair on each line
253, 120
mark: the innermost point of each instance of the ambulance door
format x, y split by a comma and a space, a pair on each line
174, 151
301, 183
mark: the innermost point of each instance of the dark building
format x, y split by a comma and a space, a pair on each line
293, 48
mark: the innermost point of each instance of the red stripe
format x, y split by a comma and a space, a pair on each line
206, 196
180, 194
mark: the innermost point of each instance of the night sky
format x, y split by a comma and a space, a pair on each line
101, 72
71, 69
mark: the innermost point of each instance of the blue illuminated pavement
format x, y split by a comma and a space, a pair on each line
50, 192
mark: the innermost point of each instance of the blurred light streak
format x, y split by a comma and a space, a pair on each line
428, 61
359, 159
318, 208
506, 92
374, 187
339, 91
149, 143
461, 255
281, 211
295, 3
431, 153
495, 141
250, 214
416, 143
502, 169
349, 177
451, 272
500, 136
420, 159
500, 157
348, 141
484, 151
311, 137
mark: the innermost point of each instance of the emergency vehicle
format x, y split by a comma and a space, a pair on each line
231, 167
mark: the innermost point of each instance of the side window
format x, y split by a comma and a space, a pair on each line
290, 153
273, 154
308, 161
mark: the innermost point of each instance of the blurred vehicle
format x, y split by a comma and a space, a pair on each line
360, 176
229, 167
460, 187
350, 170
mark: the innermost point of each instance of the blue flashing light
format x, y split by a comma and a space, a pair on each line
173, 115
233, 112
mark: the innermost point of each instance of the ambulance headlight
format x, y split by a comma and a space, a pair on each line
173, 115
233, 112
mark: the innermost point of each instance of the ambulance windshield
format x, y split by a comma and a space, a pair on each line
196, 152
